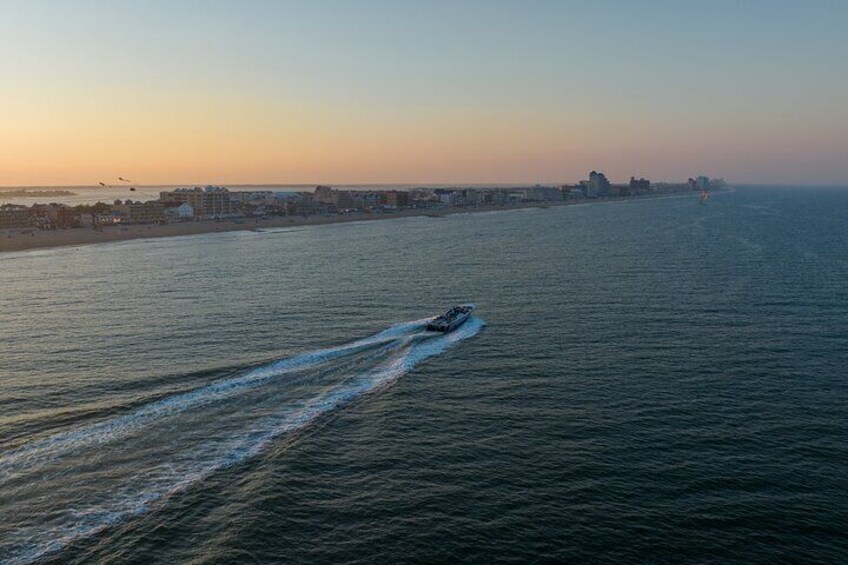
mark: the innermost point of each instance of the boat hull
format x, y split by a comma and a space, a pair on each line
449, 327
451, 319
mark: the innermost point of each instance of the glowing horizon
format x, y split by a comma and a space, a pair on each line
405, 93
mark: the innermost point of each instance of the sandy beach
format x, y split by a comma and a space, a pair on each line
22, 240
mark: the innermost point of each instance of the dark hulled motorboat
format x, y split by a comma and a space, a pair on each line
451, 319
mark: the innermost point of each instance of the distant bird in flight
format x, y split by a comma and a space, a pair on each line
102, 184
122, 179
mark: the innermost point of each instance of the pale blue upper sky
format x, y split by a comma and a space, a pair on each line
437, 91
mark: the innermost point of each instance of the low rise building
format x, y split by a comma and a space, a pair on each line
619, 190
13, 216
541, 193
307, 207
55, 216
397, 198
499, 197
640, 186
340, 199
449, 197
573, 191
345, 200
150, 212
108, 218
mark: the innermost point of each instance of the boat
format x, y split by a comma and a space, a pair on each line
451, 319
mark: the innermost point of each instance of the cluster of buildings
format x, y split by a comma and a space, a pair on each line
351, 200
598, 186
179, 205
217, 203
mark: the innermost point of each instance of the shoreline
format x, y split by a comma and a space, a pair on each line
44, 239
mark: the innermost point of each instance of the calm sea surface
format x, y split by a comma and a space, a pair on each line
650, 381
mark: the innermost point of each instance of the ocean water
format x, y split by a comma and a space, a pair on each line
646, 381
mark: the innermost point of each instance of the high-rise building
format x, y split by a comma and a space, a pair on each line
598, 185
209, 202
324, 194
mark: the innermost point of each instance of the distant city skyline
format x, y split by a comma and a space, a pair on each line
473, 92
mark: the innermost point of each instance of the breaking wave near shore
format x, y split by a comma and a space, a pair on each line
72, 485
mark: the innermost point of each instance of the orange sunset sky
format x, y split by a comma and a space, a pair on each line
469, 92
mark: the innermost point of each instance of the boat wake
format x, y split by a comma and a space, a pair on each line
72, 485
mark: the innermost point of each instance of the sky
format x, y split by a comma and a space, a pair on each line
462, 91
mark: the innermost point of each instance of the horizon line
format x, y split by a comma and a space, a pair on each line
402, 184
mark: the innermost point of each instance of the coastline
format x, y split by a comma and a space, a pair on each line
42, 239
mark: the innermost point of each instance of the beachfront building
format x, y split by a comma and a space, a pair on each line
420, 196
598, 185
397, 198
341, 199
640, 186
55, 216
372, 199
209, 202
178, 211
448, 197
324, 194
541, 193
619, 190
150, 212
108, 218
13, 216
346, 200
257, 210
252, 196
573, 191
307, 206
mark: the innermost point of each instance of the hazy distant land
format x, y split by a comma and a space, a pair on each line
25, 193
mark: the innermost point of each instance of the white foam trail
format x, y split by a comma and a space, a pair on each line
86, 436
403, 346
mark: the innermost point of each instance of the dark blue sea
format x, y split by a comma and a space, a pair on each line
651, 381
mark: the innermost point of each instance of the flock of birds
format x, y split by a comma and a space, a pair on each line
132, 185
122, 179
